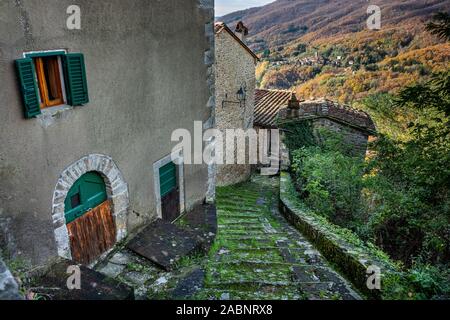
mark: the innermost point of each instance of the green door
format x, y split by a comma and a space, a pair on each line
168, 178
170, 195
87, 193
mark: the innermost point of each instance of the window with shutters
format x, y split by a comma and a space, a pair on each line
49, 79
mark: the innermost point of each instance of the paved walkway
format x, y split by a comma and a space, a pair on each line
257, 255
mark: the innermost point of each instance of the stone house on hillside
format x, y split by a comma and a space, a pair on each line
87, 118
274, 107
235, 91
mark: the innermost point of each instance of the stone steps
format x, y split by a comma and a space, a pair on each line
224, 216
242, 233
248, 209
231, 223
270, 273
288, 293
265, 286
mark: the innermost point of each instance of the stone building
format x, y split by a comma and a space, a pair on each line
235, 91
87, 118
275, 107
355, 126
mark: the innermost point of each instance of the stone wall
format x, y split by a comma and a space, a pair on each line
9, 289
355, 126
340, 246
356, 139
208, 7
234, 68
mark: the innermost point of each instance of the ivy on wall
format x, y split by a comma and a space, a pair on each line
298, 134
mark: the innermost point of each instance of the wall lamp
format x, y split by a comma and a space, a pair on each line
241, 95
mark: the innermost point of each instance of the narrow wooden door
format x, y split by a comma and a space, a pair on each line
92, 234
170, 192
89, 219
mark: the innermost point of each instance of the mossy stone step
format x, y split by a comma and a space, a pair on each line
288, 293
262, 233
272, 256
241, 228
241, 210
246, 243
249, 275
262, 264
242, 239
243, 195
239, 223
266, 286
222, 216
238, 200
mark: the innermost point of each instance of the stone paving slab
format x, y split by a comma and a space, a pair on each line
164, 243
94, 285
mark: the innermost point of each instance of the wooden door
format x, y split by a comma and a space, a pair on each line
92, 234
89, 218
170, 192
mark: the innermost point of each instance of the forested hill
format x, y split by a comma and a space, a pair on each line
323, 48
285, 20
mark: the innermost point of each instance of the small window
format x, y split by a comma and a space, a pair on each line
51, 79
75, 200
50, 82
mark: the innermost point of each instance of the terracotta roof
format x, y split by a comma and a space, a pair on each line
267, 105
220, 26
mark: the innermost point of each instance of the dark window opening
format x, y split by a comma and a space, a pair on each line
75, 200
49, 81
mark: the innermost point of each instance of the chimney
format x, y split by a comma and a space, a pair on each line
293, 102
241, 31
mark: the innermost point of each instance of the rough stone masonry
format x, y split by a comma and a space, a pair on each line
9, 290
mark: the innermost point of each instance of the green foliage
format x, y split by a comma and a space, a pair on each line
330, 180
298, 134
399, 199
433, 93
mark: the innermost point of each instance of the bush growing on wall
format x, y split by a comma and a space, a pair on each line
329, 180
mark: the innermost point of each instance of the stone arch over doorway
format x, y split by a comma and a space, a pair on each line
116, 189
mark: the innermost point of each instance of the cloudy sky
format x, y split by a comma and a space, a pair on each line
226, 6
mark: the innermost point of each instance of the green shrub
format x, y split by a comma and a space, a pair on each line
329, 180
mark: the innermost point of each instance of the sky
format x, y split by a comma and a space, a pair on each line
227, 6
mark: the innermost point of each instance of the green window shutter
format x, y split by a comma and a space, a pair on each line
76, 82
168, 178
28, 87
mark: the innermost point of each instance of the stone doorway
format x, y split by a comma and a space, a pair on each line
116, 203
168, 176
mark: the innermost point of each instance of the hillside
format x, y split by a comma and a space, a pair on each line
284, 20
324, 48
